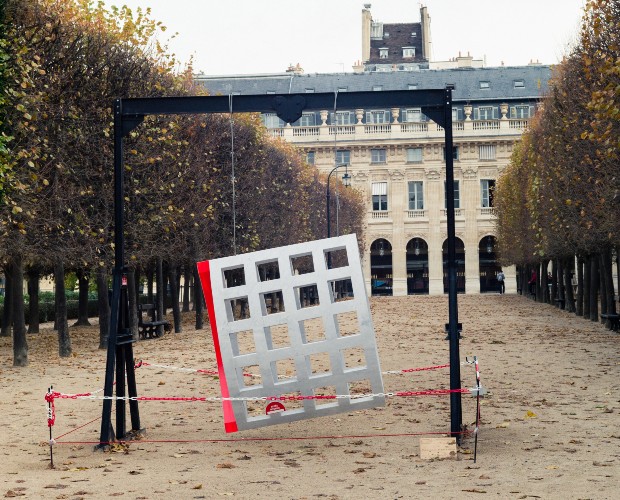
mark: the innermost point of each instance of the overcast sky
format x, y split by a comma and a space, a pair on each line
324, 36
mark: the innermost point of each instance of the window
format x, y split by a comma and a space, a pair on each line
377, 155
310, 155
487, 151
309, 91
408, 51
412, 86
485, 113
377, 88
383, 53
457, 195
457, 114
519, 84
342, 89
307, 120
455, 153
487, 190
414, 155
416, 195
485, 85
379, 116
520, 112
271, 120
376, 30
271, 92
343, 156
343, 118
379, 196
412, 115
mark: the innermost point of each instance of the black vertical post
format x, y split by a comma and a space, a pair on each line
118, 352
107, 435
455, 362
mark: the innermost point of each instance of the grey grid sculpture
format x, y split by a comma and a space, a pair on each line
295, 321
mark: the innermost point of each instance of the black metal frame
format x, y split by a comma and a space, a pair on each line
129, 113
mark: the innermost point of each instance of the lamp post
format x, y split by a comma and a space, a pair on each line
346, 180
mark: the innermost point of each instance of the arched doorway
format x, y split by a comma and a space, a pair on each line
381, 267
460, 266
489, 267
417, 267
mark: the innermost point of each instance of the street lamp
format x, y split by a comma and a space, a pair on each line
346, 180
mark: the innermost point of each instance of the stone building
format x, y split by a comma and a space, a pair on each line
396, 156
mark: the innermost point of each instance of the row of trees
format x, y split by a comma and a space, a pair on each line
559, 199
62, 64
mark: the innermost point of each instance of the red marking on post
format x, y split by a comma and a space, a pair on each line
274, 407
204, 271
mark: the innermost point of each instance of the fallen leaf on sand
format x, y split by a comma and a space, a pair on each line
226, 465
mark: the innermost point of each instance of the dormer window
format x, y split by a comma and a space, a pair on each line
485, 85
519, 84
383, 53
376, 30
408, 51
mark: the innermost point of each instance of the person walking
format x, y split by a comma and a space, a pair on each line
532, 282
500, 280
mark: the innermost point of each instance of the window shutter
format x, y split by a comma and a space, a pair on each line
379, 188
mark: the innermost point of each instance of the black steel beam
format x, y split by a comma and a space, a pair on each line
288, 106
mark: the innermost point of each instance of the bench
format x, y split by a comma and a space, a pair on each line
614, 321
459, 328
148, 322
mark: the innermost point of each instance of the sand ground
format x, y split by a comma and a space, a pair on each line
550, 424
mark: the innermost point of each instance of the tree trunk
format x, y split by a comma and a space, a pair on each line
174, 291
187, 273
149, 284
554, 281
561, 289
608, 279
7, 312
594, 285
103, 299
20, 346
579, 304
569, 299
587, 282
161, 294
602, 285
33, 299
544, 283
82, 299
64, 339
198, 300
133, 303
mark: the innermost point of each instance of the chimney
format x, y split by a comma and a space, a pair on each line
366, 26
425, 21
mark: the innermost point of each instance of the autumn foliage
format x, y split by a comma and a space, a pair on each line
558, 201
62, 65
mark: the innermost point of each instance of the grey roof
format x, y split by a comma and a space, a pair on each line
466, 80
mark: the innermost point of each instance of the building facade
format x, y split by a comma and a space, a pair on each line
396, 157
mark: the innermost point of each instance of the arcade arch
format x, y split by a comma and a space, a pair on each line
417, 267
381, 267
